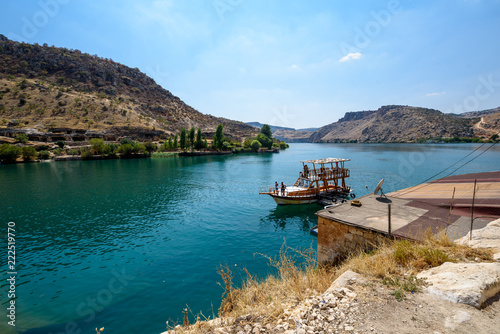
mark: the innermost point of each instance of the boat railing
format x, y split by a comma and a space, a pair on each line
328, 173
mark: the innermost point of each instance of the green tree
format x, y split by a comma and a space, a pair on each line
9, 153
191, 137
255, 145
29, 153
60, 143
247, 143
150, 146
21, 138
96, 146
182, 140
198, 144
218, 137
264, 140
169, 143
266, 131
175, 143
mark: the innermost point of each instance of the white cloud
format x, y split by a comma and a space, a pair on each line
352, 55
294, 67
436, 94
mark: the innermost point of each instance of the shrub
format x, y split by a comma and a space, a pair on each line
150, 146
86, 155
21, 138
9, 153
138, 147
255, 145
264, 140
72, 152
125, 141
44, 155
42, 148
283, 145
125, 149
29, 153
60, 143
96, 146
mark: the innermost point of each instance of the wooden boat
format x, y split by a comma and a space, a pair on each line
321, 178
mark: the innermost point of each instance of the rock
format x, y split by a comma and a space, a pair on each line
458, 318
486, 237
466, 283
343, 281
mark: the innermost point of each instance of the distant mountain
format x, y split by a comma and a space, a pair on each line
289, 135
404, 124
46, 90
273, 127
481, 113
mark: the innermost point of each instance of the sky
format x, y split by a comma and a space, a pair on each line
290, 63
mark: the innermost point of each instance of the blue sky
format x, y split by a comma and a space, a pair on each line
289, 63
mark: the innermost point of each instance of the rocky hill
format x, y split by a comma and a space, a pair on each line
406, 124
50, 91
289, 135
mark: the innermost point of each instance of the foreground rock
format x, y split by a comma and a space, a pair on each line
487, 237
467, 283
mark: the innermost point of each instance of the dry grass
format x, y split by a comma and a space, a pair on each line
297, 275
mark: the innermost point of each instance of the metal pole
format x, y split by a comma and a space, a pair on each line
472, 209
451, 207
389, 214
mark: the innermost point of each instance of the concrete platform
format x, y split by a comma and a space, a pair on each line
426, 206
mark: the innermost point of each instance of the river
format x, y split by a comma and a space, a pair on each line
128, 244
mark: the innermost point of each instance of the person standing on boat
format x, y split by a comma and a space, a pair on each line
283, 187
276, 187
306, 171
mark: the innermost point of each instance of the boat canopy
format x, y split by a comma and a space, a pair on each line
325, 161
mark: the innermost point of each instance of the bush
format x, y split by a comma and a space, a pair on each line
256, 145
72, 152
60, 143
42, 148
264, 140
283, 145
125, 149
21, 138
9, 153
150, 146
97, 146
58, 151
126, 141
29, 153
86, 155
44, 155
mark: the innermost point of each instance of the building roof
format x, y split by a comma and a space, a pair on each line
326, 161
440, 204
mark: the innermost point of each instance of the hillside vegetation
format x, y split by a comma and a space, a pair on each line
49, 90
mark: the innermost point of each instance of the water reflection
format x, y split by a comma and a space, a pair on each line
299, 215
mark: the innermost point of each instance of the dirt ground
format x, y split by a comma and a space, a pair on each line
378, 311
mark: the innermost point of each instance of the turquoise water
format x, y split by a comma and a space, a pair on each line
127, 244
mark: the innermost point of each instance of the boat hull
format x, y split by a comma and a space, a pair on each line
288, 200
